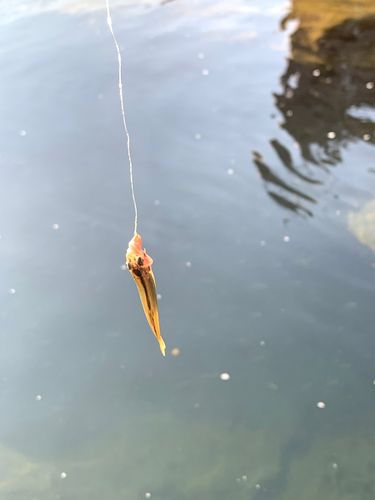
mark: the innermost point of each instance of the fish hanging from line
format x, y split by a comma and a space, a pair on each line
137, 260
139, 264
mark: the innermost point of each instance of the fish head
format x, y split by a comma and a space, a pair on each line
136, 258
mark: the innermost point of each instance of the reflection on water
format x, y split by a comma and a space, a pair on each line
362, 224
89, 410
266, 174
328, 98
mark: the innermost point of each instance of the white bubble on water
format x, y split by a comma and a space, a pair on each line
38, 397
198, 136
225, 376
262, 243
148, 495
63, 475
158, 296
205, 72
22, 133
335, 466
366, 137
321, 405
12, 291
200, 55
369, 85
123, 267
157, 203
230, 171
100, 95
55, 226
316, 72
188, 264
286, 239
331, 135
289, 112
244, 478
262, 343
257, 486
328, 80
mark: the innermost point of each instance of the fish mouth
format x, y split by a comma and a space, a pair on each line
145, 280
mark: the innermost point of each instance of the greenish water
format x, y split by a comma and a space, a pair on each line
255, 184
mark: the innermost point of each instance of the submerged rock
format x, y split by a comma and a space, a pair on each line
335, 468
158, 453
21, 477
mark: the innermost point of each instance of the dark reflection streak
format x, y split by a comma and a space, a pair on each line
328, 162
269, 176
286, 158
289, 204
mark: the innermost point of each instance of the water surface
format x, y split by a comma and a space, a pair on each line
252, 128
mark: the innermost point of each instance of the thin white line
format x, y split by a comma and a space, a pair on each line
109, 21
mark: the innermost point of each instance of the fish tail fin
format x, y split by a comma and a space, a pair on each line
162, 345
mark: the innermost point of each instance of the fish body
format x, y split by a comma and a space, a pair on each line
139, 264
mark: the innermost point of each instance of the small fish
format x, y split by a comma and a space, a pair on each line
139, 264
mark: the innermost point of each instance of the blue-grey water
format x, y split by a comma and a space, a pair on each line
253, 149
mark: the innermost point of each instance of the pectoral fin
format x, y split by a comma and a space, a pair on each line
147, 292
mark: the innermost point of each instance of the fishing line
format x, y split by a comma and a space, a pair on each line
109, 21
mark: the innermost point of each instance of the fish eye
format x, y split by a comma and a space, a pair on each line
140, 261
129, 266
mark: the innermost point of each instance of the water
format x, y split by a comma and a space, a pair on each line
253, 153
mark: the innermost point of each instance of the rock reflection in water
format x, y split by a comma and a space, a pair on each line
328, 96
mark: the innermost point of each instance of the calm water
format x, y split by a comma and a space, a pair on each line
253, 148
